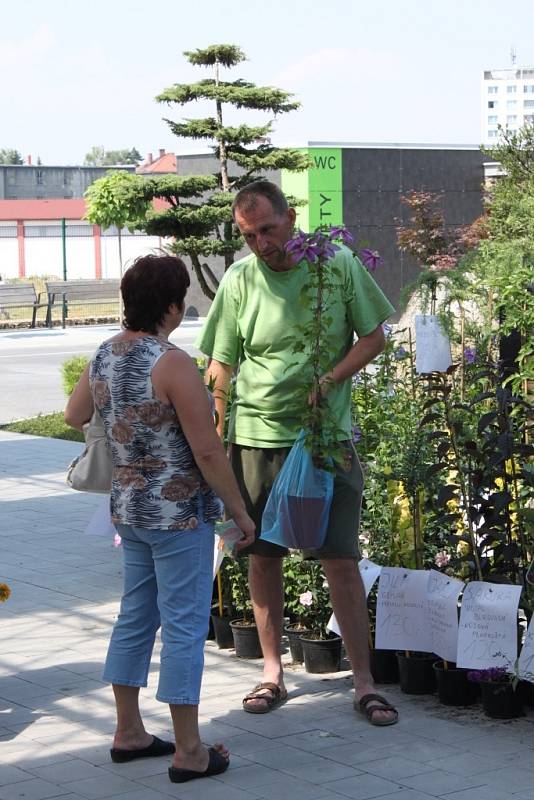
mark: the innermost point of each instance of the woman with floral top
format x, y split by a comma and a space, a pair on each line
169, 471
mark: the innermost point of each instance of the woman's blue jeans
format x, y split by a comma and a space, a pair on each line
168, 581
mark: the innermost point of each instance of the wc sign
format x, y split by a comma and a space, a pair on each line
325, 187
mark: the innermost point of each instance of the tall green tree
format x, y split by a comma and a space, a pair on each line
99, 157
198, 215
117, 199
10, 156
505, 261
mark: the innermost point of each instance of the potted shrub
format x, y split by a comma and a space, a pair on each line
500, 700
321, 649
295, 585
222, 611
245, 633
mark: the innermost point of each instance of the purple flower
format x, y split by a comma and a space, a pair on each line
442, 559
387, 329
340, 232
371, 259
400, 353
311, 247
302, 246
493, 674
356, 434
470, 355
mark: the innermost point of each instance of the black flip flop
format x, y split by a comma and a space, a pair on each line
156, 748
217, 763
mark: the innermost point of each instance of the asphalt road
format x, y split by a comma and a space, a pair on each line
30, 364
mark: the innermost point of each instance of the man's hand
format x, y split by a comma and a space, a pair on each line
325, 384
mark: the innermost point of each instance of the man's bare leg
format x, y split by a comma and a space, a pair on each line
350, 607
266, 593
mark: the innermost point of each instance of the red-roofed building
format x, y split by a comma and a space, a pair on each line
165, 163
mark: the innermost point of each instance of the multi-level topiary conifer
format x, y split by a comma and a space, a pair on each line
199, 206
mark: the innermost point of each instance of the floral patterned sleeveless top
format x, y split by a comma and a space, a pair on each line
155, 482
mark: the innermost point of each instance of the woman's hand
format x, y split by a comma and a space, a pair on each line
247, 526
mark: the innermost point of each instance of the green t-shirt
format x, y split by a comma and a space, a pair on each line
251, 323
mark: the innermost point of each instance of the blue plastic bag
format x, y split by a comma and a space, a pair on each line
298, 507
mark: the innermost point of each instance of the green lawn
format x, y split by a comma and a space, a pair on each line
51, 425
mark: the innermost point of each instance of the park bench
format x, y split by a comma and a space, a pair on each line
19, 295
79, 293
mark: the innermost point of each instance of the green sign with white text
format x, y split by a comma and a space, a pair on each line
321, 186
325, 187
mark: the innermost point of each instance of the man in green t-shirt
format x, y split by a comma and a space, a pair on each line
251, 326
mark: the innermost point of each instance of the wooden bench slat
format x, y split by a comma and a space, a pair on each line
21, 295
78, 292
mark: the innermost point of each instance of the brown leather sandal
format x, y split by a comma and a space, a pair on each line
363, 706
272, 694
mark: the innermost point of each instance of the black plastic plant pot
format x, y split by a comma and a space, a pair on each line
526, 693
293, 633
453, 687
500, 700
222, 631
416, 673
246, 639
321, 655
384, 666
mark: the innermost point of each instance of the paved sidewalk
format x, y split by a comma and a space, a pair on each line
57, 717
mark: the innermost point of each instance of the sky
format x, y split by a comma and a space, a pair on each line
75, 75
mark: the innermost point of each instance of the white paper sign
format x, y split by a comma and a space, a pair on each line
100, 523
432, 346
442, 613
218, 556
401, 618
526, 659
487, 635
369, 572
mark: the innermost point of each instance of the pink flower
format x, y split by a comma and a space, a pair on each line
306, 598
442, 559
117, 541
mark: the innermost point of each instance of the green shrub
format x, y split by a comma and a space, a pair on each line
71, 371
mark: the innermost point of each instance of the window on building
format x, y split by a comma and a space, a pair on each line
493, 89
529, 119
511, 119
67, 177
511, 89
40, 177
511, 103
492, 104
528, 103
493, 134
492, 120
528, 88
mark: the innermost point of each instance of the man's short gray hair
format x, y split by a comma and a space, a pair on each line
247, 197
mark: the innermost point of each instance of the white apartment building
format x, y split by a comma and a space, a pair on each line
507, 100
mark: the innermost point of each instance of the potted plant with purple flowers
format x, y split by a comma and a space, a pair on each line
500, 700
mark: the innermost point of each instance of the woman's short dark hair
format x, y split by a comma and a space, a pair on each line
247, 197
149, 287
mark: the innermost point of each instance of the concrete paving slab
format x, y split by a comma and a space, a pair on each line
57, 717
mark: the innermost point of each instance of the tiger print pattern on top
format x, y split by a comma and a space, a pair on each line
155, 482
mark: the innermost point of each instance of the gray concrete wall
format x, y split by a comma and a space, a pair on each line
373, 184
42, 182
